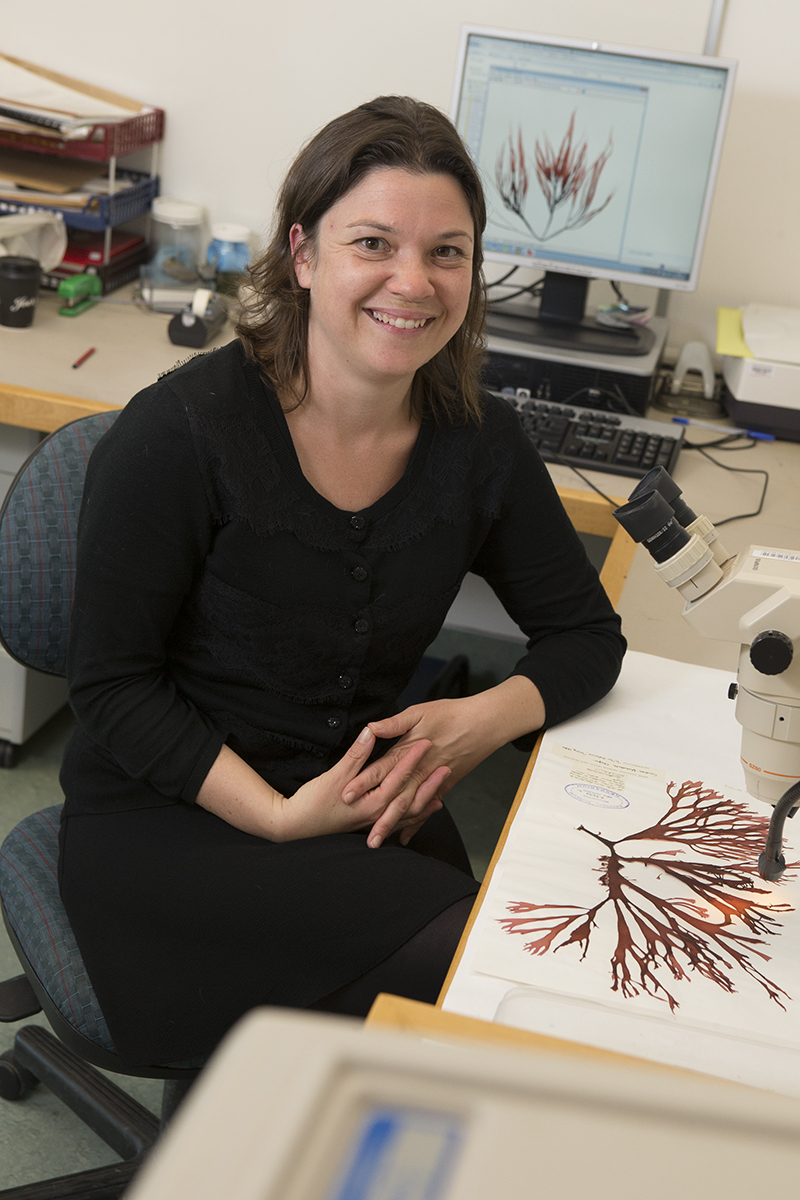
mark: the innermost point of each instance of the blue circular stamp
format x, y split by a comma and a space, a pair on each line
592, 793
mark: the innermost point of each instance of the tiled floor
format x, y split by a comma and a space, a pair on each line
39, 1137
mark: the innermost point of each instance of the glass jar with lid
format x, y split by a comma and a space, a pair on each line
178, 232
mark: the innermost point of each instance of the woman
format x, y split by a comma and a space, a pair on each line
270, 538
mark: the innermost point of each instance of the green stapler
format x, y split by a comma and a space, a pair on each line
80, 293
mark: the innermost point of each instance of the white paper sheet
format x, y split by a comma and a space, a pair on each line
644, 895
723, 998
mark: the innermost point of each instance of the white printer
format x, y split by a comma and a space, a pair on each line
762, 376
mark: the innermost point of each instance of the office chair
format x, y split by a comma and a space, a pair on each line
38, 524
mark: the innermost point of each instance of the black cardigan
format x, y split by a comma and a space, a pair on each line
221, 599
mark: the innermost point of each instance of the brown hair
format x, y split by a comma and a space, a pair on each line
391, 131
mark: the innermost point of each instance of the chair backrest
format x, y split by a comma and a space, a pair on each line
38, 528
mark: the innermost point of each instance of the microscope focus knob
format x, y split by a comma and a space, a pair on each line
771, 652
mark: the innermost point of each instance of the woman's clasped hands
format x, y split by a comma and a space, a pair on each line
434, 745
439, 742
320, 807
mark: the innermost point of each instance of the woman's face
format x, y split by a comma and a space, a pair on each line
389, 277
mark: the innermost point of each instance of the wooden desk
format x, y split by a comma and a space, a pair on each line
39, 389
592, 514
428, 1020
45, 411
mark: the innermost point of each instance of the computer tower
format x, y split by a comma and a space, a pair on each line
577, 377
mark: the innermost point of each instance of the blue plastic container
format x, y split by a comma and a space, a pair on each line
229, 254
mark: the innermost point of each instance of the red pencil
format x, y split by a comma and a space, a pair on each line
83, 358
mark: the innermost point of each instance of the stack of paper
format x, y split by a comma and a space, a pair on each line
33, 99
768, 332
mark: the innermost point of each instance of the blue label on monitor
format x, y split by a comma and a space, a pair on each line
400, 1154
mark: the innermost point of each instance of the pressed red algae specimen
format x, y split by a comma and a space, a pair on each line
566, 179
719, 924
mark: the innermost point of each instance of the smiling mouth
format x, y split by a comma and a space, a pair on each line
400, 322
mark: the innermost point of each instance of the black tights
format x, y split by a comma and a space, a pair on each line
416, 970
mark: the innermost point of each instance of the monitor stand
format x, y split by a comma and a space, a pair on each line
560, 322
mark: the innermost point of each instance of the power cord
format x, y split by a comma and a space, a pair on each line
720, 443
620, 403
723, 444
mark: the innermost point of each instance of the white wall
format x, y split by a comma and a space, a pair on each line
245, 83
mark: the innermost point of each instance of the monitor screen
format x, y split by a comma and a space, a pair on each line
596, 160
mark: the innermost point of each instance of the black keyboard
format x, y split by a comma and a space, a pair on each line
603, 441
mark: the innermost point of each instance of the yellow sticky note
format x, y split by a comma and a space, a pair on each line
730, 338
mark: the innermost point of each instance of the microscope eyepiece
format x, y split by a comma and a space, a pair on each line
649, 519
659, 480
682, 559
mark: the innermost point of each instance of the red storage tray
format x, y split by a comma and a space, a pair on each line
107, 139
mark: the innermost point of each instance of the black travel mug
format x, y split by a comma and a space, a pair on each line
19, 286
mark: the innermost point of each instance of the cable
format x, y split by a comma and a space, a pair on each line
618, 293
593, 486
626, 407
687, 446
531, 289
722, 444
526, 291
771, 863
502, 279
616, 395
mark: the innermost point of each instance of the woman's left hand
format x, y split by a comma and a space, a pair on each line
462, 733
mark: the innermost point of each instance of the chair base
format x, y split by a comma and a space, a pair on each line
103, 1183
18, 1001
123, 1124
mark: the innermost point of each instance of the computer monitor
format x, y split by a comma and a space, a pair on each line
598, 162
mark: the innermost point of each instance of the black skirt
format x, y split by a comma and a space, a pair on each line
185, 922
